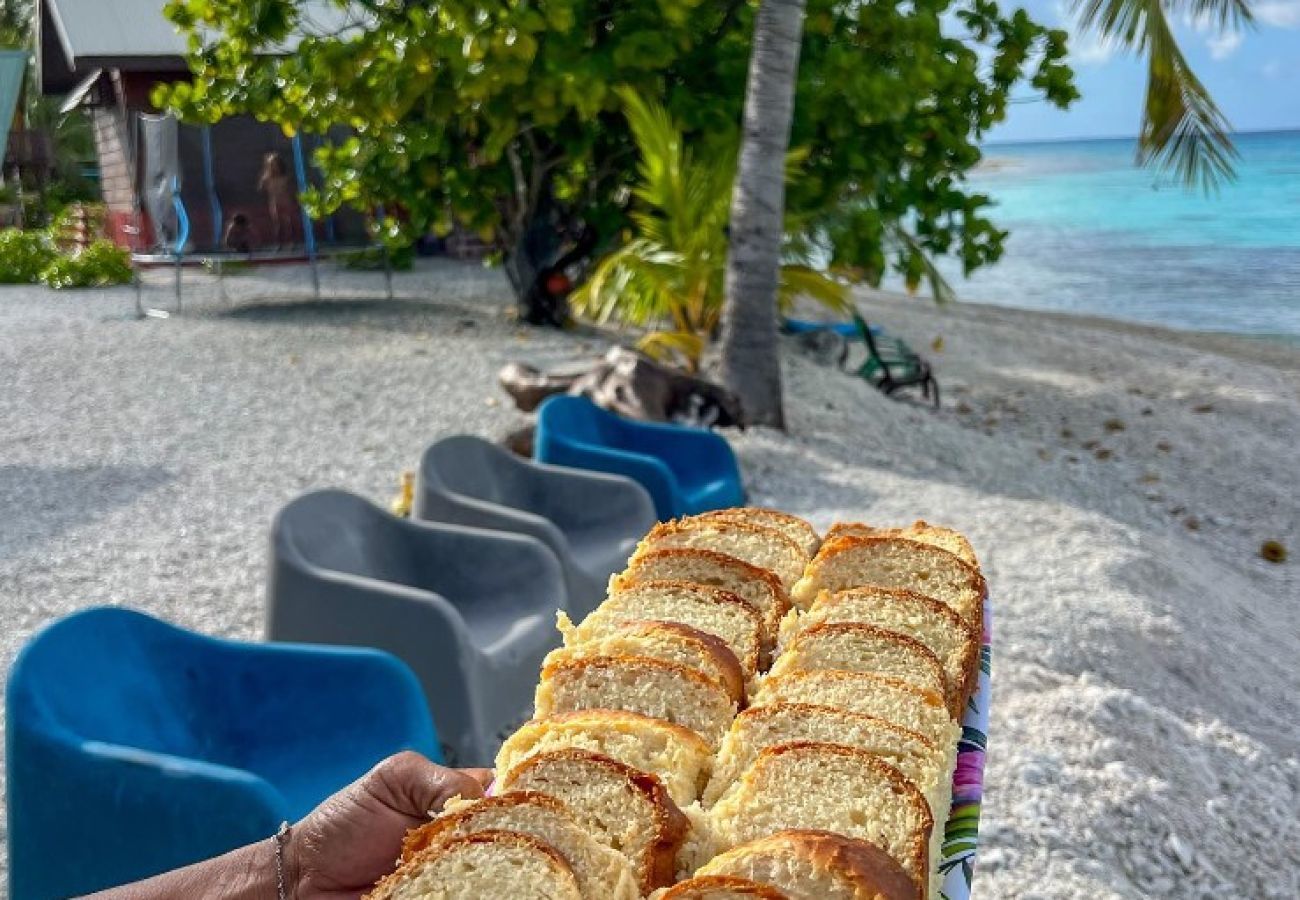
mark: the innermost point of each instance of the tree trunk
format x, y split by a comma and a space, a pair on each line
750, 363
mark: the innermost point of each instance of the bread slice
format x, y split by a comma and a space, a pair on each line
815, 865
679, 756
719, 613
622, 807
793, 527
853, 647
945, 538
671, 642
601, 871
897, 702
952, 640
851, 562
486, 864
638, 684
759, 586
829, 787
721, 887
757, 545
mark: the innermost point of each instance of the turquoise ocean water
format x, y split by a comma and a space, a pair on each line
1093, 234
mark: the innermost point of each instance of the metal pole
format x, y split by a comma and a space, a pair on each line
308, 233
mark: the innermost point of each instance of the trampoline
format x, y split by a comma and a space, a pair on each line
230, 193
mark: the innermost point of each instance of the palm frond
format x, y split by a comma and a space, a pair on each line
803, 281
1183, 129
685, 347
940, 289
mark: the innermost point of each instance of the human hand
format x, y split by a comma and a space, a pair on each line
354, 838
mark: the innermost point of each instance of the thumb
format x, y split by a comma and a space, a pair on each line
414, 786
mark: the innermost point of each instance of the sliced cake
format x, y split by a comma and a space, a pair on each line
897, 702
677, 755
852, 562
815, 865
953, 541
757, 545
671, 642
620, 806
830, 787
793, 527
946, 634
759, 586
600, 871
719, 613
638, 684
486, 864
854, 647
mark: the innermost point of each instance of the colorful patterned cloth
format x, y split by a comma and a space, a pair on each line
961, 834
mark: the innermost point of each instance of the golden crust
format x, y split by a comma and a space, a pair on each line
752, 656
669, 531
729, 674
918, 849
385, 887
798, 530
671, 824
780, 602
970, 637
945, 538
705, 886
922, 654
872, 873
966, 575
434, 831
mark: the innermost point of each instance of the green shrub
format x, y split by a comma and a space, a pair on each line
102, 263
371, 259
24, 255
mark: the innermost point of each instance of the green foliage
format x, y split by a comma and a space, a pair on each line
494, 115
24, 255
672, 272
101, 264
371, 259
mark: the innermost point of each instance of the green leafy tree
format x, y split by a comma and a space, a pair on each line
669, 276
502, 117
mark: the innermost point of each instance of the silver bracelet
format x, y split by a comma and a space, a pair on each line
281, 837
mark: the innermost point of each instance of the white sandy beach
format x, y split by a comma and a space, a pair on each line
1116, 480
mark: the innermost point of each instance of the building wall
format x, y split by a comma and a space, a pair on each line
112, 147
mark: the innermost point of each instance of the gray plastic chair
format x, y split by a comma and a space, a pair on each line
471, 611
590, 520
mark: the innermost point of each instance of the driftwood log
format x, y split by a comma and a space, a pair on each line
632, 385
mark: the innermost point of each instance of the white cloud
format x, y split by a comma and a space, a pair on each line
1278, 13
1087, 49
1224, 45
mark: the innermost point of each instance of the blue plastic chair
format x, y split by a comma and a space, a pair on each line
134, 747
685, 470
847, 330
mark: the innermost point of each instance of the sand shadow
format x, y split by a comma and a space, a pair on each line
43, 502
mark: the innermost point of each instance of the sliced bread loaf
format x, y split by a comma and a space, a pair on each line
950, 637
854, 647
953, 541
759, 586
851, 562
620, 806
757, 545
719, 613
486, 864
671, 642
601, 871
815, 865
830, 787
793, 527
677, 755
638, 684
721, 887
897, 702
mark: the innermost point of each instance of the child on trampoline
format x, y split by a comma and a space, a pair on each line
281, 200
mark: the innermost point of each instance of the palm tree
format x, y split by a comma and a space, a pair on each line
751, 366
1182, 130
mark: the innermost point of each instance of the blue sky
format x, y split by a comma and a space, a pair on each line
1254, 75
